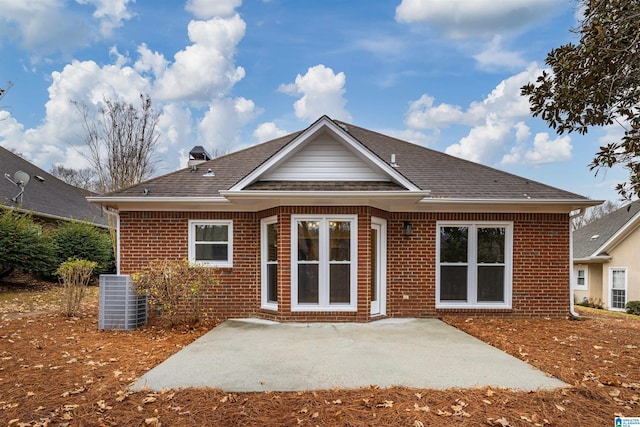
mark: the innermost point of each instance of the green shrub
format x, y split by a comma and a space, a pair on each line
23, 246
633, 307
78, 240
75, 275
175, 288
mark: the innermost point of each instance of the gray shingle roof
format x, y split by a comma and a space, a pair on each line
228, 170
447, 176
52, 197
587, 239
444, 175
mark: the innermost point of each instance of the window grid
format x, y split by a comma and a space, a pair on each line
220, 246
618, 278
474, 268
324, 270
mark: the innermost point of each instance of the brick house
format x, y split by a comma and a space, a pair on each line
339, 223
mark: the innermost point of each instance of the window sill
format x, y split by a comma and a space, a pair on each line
270, 307
473, 306
210, 264
316, 309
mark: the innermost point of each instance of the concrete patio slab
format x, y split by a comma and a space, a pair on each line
251, 355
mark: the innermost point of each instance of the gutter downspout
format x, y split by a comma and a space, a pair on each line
572, 311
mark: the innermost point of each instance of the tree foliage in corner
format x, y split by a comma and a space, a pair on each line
121, 141
597, 83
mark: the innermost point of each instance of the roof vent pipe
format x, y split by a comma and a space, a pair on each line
393, 161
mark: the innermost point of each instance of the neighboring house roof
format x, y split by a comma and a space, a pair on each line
46, 196
594, 240
388, 168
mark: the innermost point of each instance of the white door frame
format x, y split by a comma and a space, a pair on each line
379, 307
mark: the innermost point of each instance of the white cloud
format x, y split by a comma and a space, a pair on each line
46, 26
322, 93
268, 131
175, 125
149, 61
205, 69
206, 9
498, 129
496, 57
423, 115
110, 13
504, 103
218, 129
42, 26
202, 74
471, 18
523, 132
544, 150
483, 142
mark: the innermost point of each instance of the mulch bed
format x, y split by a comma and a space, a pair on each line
59, 371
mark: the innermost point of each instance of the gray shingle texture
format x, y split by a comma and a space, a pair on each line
587, 239
444, 175
51, 197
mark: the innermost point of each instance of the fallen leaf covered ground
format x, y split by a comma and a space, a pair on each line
60, 371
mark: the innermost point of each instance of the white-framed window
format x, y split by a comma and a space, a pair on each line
211, 242
324, 262
474, 264
618, 288
269, 262
581, 275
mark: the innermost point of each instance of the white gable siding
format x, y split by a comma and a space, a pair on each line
324, 159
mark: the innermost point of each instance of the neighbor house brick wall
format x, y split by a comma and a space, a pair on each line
540, 261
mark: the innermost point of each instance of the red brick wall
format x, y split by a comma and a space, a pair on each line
540, 265
540, 261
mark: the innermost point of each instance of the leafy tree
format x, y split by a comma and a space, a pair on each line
122, 141
82, 178
23, 246
78, 240
596, 82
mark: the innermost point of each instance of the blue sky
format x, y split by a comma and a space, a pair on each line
226, 74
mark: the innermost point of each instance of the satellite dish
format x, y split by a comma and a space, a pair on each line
21, 178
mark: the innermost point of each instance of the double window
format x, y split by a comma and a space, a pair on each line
211, 243
324, 263
474, 265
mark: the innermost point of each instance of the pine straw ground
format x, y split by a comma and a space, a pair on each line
59, 371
